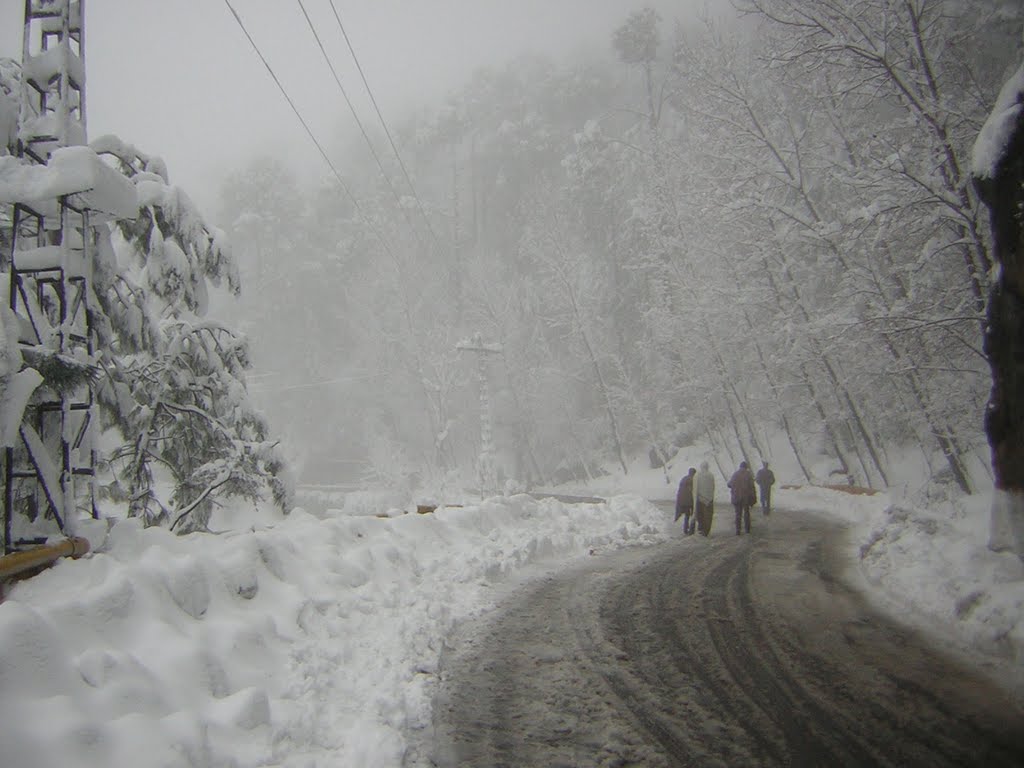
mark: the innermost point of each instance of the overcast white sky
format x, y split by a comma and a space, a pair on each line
177, 78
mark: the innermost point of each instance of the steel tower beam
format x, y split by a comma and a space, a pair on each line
49, 472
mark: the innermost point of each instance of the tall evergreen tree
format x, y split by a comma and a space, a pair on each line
174, 381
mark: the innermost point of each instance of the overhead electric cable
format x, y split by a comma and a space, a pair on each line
406, 304
384, 124
288, 99
314, 384
376, 231
312, 137
362, 129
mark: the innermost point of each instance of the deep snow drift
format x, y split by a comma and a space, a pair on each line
312, 641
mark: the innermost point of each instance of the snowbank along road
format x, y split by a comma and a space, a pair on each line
726, 651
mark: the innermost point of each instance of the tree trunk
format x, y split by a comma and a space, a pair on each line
1004, 340
642, 416
938, 428
842, 393
774, 387
601, 385
603, 388
714, 452
805, 375
537, 475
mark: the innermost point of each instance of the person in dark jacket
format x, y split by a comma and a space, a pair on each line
743, 494
765, 479
684, 502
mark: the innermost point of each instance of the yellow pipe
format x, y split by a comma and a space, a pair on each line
19, 562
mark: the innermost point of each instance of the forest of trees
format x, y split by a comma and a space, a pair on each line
756, 231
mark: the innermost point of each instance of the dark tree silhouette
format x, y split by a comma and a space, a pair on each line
1000, 183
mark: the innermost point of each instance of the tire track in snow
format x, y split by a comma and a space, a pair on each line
721, 651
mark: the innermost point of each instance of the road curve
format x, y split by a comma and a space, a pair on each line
724, 651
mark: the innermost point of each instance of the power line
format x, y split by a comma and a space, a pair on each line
373, 100
362, 129
290, 102
313, 384
376, 231
312, 137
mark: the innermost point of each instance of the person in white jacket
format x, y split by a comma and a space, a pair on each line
704, 498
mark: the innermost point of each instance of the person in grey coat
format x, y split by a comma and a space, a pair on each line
704, 496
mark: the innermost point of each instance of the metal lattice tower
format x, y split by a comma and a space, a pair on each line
49, 472
486, 469
53, 78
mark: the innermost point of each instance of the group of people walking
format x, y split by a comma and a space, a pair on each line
695, 499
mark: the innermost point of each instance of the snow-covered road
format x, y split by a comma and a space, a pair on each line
724, 651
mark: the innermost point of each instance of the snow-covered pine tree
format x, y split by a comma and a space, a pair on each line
173, 380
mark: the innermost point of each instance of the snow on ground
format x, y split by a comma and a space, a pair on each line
307, 642
310, 641
922, 554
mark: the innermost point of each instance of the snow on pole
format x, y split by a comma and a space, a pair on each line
486, 469
60, 191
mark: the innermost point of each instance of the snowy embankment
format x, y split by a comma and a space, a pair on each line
308, 642
932, 568
313, 641
922, 559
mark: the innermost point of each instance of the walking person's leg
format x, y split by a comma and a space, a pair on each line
746, 517
739, 517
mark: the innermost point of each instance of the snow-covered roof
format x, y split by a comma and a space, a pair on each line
75, 171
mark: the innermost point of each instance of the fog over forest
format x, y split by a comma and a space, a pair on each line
752, 229
733, 230
357, 360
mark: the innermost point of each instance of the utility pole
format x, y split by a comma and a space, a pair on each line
486, 469
49, 464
